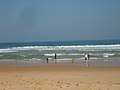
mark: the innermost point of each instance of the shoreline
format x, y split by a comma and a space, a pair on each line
70, 62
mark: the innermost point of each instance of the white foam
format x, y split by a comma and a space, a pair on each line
61, 54
6, 50
23, 55
49, 54
108, 54
68, 48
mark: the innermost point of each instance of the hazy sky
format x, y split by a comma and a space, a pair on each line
52, 20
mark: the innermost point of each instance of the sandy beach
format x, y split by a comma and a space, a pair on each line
59, 77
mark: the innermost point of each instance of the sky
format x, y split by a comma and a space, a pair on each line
59, 20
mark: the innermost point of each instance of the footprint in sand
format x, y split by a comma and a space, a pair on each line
39, 88
18, 75
98, 82
68, 84
77, 84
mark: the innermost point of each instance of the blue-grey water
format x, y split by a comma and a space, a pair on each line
102, 52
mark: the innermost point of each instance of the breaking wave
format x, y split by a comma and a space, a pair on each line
68, 48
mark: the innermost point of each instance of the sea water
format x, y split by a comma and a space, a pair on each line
106, 52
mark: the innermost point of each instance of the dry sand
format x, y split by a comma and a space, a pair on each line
59, 77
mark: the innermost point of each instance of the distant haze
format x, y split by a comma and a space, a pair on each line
52, 20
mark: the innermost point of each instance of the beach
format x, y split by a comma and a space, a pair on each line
59, 77
59, 45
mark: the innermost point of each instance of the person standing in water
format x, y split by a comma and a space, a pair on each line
47, 60
86, 56
55, 58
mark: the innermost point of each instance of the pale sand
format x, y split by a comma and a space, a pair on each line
59, 77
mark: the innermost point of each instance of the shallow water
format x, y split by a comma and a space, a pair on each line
69, 62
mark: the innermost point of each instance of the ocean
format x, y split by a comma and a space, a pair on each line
37, 52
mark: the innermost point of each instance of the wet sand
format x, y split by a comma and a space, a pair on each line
59, 77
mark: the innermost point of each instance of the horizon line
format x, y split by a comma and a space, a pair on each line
58, 41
